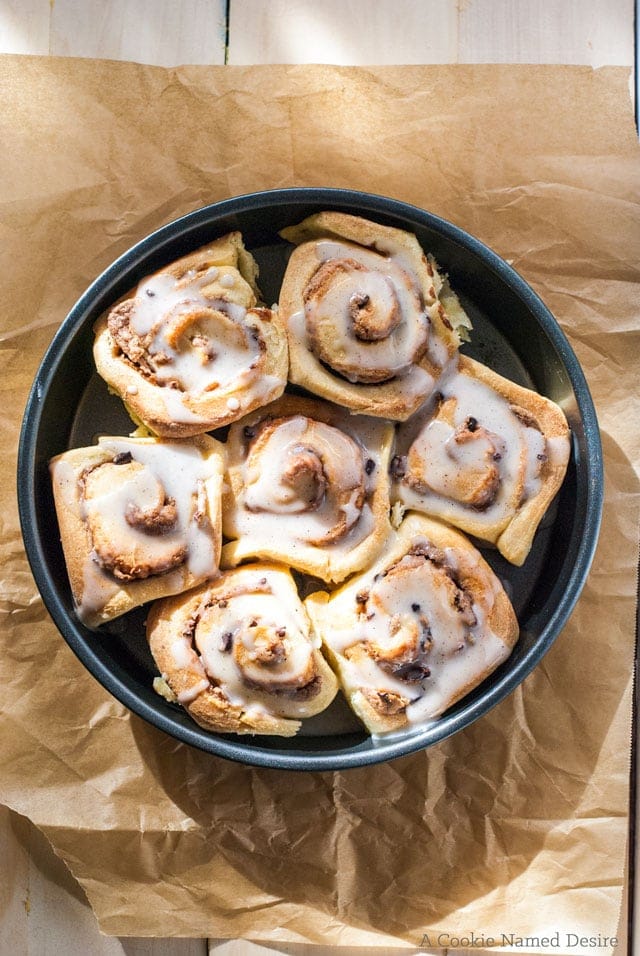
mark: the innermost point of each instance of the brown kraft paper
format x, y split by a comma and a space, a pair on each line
514, 828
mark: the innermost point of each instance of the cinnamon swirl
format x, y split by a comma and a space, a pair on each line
307, 484
485, 455
191, 349
238, 654
139, 519
416, 631
366, 325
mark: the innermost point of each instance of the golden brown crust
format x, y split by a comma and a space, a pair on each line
416, 631
366, 328
238, 667
329, 526
192, 349
115, 556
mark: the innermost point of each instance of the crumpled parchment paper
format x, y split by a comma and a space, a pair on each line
517, 826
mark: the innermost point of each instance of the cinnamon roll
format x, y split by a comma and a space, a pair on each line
416, 631
191, 349
485, 455
238, 654
366, 325
307, 484
139, 519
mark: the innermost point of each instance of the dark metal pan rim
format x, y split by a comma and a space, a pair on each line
361, 750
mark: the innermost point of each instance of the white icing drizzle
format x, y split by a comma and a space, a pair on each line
174, 403
183, 656
269, 613
198, 344
270, 510
180, 470
437, 350
188, 696
185, 659
385, 252
229, 638
365, 674
97, 587
398, 606
536, 450
415, 381
503, 442
389, 286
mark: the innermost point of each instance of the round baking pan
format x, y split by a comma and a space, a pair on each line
513, 333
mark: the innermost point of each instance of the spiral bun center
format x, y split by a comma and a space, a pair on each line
296, 465
130, 519
249, 636
305, 475
364, 315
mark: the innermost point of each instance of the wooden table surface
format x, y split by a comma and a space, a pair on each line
43, 911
